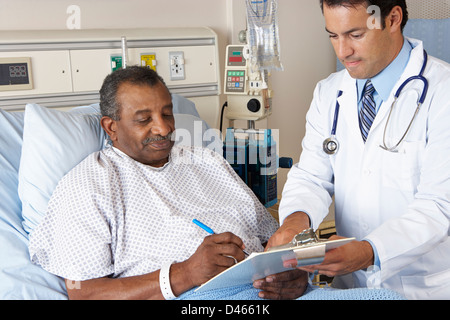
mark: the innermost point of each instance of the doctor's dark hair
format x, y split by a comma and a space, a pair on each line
135, 75
385, 6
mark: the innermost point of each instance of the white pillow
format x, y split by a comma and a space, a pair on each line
181, 105
53, 143
193, 131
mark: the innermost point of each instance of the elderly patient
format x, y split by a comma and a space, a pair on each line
119, 225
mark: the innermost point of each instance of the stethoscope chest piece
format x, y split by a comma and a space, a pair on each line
331, 145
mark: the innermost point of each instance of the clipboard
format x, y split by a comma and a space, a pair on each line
262, 264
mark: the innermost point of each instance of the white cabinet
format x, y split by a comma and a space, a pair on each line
68, 66
90, 67
50, 70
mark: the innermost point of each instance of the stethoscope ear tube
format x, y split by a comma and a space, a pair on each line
418, 77
424, 91
419, 104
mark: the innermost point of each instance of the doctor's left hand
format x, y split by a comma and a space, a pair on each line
349, 258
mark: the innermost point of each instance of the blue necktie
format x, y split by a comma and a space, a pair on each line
368, 110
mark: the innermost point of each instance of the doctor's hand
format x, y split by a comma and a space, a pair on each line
348, 258
292, 225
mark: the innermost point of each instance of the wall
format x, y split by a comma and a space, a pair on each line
307, 55
307, 58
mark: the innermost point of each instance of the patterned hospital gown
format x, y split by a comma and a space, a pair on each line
113, 216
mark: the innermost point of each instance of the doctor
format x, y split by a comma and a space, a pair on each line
395, 202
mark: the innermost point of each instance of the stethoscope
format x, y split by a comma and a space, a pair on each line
331, 145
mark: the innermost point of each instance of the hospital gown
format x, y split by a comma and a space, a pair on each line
114, 216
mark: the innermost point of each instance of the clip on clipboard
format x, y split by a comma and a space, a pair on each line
308, 248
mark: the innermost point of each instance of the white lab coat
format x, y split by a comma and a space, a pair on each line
398, 201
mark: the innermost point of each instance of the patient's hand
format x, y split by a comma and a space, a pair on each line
283, 286
213, 256
290, 284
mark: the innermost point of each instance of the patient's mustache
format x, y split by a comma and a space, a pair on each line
156, 139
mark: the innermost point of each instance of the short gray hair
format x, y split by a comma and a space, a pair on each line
134, 75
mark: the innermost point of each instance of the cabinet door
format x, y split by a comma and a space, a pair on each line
50, 71
90, 67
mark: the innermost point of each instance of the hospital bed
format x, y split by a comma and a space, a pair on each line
38, 147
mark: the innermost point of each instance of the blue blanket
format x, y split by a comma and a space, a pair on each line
248, 292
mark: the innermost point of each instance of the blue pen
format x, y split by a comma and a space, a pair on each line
204, 227
209, 230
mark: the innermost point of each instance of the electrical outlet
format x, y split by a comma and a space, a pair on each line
116, 63
177, 66
148, 60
